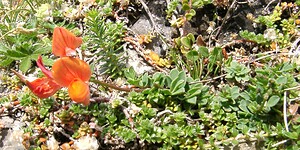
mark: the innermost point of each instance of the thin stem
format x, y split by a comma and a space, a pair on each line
284, 112
127, 89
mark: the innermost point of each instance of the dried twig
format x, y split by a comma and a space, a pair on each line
226, 17
284, 112
141, 52
209, 80
279, 143
126, 89
154, 26
240, 138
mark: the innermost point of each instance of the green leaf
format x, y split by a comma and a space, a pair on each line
235, 92
3, 48
192, 100
174, 74
234, 132
286, 67
145, 80
192, 12
273, 101
291, 135
6, 61
281, 80
243, 106
47, 61
245, 95
185, 7
193, 92
216, 55
192, 55
25, 64
185, 41
188, 16
15, 54
235, 142
203, 51
130, 73
177, 86
182, 75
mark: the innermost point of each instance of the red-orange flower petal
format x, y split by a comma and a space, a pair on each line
64, 42
43, 87
79, 92
66, 69
46, 72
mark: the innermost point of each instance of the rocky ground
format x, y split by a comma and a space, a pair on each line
234, 17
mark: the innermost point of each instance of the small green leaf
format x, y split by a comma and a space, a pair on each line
14, 54
185, 41
177, 86
185, 7
243, 106
235, 142
192, 55
182, 75
191, 37
273, 100
235, 92
245, 95
281, 80
234, 132
47, 61
25, 64
192, 12
6, 61
188, 16
174, 74
203, 51
193, 92
192, 100
286, 67
130, 73
292, 135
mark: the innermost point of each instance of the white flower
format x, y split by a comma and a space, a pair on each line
44, 12
133, 110
270, 34
86, 143
87, 1
52, 144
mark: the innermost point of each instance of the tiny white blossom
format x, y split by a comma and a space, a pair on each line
52, 144
133, 110
86, 143
44, 12
87, 1
270, 34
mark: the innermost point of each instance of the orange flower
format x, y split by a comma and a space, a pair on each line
41, 87
64, 42
66, 71
73, 73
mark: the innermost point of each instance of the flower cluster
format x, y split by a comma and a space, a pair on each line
67, 71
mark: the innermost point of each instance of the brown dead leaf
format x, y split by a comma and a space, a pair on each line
293, 108
65, 146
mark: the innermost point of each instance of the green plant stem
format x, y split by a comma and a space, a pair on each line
241, 139
31, 6
127, 89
